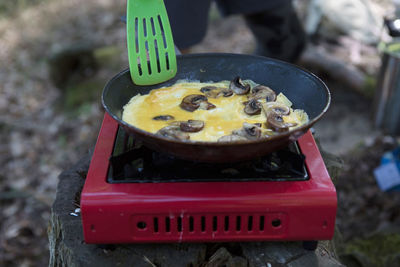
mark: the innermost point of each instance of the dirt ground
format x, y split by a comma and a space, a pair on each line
45, 128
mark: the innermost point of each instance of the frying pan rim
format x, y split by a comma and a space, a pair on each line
228, 143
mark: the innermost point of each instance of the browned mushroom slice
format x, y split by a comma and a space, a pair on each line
193, 102
231, 138
175, 123
211, 91
253, 107
276, 107
263, 92
163, 118
226, 92
250, 131
276, 123
215, 92
191, 126
173, 132
206, 105
238, 87
253, 131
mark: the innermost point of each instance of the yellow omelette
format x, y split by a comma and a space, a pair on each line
227, 116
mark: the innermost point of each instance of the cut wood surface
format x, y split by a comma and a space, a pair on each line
67, 247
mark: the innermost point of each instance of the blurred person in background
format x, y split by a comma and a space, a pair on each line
274, 23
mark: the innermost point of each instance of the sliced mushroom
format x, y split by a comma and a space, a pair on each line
175, 123
253, 131
250, 131
215, 92
226, 92
210, 91
277, 108
193, 102
173, 132
275, 122
163, 118
253, 107
206, 105
231, 138
263, 92
192, 126
238, 87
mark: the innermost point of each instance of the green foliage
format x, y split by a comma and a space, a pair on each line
78, 97
369, 87
390, 48
379, 249
109, 57
62, 141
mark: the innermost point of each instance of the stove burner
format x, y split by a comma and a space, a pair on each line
244, 206
133, 163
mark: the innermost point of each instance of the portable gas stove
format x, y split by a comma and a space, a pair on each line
133, 194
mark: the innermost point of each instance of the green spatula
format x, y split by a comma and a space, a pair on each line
151, 47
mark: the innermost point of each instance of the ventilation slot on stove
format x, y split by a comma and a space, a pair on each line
210, 225
155, 223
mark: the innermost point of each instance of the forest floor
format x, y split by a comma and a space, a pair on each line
50, 115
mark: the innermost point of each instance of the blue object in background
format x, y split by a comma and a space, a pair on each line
387, 175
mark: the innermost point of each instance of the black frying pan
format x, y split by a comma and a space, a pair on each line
305, 90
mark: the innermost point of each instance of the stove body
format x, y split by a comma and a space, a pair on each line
206, 210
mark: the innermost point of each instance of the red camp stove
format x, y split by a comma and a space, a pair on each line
133, 194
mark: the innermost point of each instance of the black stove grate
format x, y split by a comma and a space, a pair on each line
133, 163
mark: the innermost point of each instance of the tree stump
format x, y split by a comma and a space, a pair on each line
67, 246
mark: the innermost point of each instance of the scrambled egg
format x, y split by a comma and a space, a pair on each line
222, 120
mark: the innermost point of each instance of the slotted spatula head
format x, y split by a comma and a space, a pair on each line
151, 47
